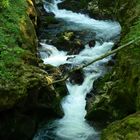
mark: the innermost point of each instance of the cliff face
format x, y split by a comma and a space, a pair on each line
25, 97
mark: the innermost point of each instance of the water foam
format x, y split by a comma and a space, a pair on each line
104, 29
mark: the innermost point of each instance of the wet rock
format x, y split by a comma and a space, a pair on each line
92, 43
77, 47
77, 77
88, 96
45, 20
111, 63
73, 5
69, 36
97, 109
67, 41
100, 9
65, 68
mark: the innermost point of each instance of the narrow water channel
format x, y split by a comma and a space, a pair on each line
73, 125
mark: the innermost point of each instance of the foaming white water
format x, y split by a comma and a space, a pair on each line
51, 55
89, 53
73, 125
103, 29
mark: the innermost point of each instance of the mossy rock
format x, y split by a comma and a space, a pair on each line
24, 90
74, 5
124, 11
68, 41
51, 20
98, 109
126, 129
101, 9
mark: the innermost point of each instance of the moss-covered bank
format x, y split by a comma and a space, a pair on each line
125, 129
121, 87
118, 93
25, 97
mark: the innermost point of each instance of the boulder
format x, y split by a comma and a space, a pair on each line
25, 97
77, 77
92, 43
67, 41
125, 129
73, 5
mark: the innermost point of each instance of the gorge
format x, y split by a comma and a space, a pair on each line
41, 41
73, 125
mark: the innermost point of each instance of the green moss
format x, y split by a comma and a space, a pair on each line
126, 129
128, 65
132, 34
10, 52
16, 43
18, 38
25, 97
123, 92
10, 61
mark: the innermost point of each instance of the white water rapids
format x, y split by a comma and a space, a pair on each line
73, 125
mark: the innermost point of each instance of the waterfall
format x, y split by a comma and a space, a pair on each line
103, 29
73, 125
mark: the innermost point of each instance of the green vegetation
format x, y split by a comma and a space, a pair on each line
23, 84
4, 4
22, 81
10, 60
10, 49
126, 129
14, 56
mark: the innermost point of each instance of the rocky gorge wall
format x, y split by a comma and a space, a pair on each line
117, 94
25, 97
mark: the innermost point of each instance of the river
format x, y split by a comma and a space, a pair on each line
73, 126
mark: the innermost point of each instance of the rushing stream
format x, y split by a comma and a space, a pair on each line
73, 125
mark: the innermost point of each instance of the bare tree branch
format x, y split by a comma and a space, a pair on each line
95, 60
